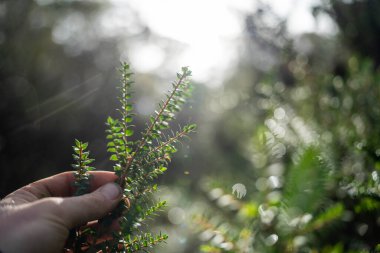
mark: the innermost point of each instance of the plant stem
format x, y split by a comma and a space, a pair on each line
148, 132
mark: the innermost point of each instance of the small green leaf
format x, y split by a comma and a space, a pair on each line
128, 107
113, 150
84, 145
190, 128
88, 161
77, 150
110, 121
113, 157
116, 129
128, 132
128, 119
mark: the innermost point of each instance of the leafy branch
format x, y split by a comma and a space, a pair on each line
136, 163
181, 89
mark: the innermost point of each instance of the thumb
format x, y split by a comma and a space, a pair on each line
79, 210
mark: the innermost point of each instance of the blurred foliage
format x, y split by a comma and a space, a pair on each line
359, 24
294, 130
58, 62
42, 90
293, 153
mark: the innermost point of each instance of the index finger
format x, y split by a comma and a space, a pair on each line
61, 185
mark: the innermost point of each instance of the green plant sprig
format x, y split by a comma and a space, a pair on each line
78, 236
181, 89
81, 166
142, 242
137, 163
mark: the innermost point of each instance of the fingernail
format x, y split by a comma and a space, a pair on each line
111, 191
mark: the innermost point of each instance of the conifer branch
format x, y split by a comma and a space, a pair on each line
81, 166
160, 121
82, 186
137, 164
144, 242
175, 138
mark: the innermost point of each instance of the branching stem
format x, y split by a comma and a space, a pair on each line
149, 130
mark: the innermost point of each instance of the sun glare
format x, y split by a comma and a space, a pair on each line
210, 32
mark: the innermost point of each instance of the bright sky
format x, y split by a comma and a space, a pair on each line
209, 31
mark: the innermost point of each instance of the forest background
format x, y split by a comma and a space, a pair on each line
287, 150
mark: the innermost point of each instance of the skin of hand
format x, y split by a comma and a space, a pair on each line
38, 217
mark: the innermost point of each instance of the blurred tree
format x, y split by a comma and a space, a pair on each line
359, 24
293, 150
51, 58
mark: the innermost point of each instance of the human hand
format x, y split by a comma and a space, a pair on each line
39, 216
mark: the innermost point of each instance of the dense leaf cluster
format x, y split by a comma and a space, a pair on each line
315, 165
136, 163
81, 167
